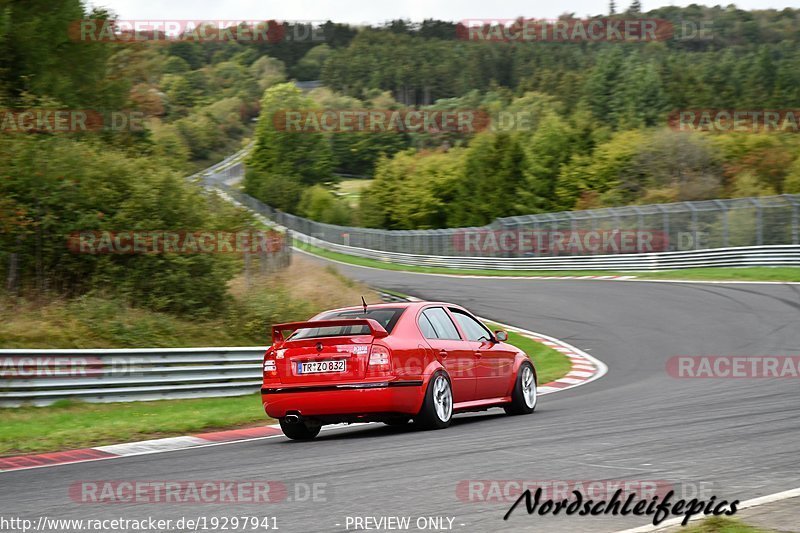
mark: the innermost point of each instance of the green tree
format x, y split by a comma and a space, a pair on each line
493, 181
40, 57
310, 67
268, 71
320, 203
413, 190
547, 150
55, 186
282, 162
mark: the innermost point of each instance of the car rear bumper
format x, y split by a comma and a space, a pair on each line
352, 399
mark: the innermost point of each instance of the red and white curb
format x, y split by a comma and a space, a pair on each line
24, 462
585, 369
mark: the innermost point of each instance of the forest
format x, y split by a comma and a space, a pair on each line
597, 134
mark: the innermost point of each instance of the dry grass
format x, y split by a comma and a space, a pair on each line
304, 280
296, 293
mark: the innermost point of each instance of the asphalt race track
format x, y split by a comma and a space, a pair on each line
737, 438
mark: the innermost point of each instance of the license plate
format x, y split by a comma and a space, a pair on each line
320, 367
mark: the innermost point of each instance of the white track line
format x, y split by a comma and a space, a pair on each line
755, 502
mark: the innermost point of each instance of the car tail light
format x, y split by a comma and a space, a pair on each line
380, 358
270, 367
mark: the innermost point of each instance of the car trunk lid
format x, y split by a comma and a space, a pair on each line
325, 350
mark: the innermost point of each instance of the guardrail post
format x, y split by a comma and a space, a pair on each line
795, 224
694, 225
759, 221
725, 228
793, 199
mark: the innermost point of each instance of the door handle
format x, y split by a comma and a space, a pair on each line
442, 353
478, 354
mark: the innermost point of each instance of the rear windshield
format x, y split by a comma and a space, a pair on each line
385, 316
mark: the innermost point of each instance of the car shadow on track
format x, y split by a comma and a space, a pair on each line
378, 429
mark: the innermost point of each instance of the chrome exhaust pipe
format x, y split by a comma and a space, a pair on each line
292, 419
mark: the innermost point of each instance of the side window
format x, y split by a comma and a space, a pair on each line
442, 324
474, 330
426, 327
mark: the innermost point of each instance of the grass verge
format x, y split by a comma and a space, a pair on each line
723, 525
70, 425
707, 274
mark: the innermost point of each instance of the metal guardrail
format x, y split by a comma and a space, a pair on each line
41, 377
759, 231
232, 167
419, 241
788, 255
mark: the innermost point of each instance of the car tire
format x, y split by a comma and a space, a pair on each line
299, 430
525, 395
437, 407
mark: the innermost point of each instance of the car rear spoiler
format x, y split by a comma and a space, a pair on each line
376, 330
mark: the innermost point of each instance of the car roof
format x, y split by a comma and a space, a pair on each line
391, 305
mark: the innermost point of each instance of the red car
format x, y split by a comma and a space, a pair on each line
391, 363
